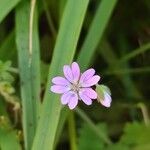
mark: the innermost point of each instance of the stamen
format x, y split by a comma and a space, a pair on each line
75, 87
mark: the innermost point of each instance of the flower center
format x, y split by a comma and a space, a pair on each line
75, 87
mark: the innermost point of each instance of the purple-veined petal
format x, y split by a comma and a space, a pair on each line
59, 89
68, 73
73, 100
107, 100
75, 71
65, 98
60, 81
85, 98
87, 75
92, 81
89, 92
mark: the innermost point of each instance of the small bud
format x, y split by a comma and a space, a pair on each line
104, 95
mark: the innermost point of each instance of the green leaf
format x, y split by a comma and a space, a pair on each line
8, 140
6, 6
60, 127
88, 140
29, 65
44, 68
8, 136
63, 54
8, 44
102, 136
117, 146
4, 66
135, 135
4, 73
96, 30
142, 147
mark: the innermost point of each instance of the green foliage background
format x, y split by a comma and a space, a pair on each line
38, 37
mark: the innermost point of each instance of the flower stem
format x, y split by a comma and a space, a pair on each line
72, 132
89, 122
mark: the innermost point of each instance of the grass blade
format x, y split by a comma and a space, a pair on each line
134, 53
60, 127
29, 73
141, 70
63, 54
6, 6
96, 30
111, 58
72, 131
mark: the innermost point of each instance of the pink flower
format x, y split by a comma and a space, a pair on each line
75, 86
106, 101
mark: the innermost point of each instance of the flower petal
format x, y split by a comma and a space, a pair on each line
85, 98
59, 89
89, 92
65, 98
92, 81
68, 73
75, 71
60, 81
73, 100
107, 100
87, 75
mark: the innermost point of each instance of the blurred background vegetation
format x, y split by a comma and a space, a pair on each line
121, 57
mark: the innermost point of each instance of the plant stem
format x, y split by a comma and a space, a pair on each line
134, 53
89, 122
144, 112
127, 71
72, 131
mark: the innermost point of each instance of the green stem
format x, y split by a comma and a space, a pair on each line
134, 53
72, 131
89, 122
144, 112
127, 71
